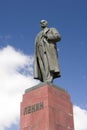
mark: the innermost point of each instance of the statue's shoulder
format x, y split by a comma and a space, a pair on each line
53, 30
39, 34
53, 35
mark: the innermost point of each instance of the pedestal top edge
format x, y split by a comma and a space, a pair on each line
42, 85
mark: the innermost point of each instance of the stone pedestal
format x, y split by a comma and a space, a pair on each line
46, 107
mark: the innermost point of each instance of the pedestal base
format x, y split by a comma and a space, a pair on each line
46, 107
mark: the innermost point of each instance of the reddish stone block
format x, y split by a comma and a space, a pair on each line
46, 107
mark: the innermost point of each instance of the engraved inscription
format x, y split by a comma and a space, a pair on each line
33, 108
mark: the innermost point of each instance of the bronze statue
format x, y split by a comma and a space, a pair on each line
46, 66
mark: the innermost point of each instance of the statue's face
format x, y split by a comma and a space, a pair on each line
43, 23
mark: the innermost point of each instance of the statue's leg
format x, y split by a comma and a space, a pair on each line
44, 66
48, 77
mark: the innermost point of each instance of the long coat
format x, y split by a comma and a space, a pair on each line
46, 56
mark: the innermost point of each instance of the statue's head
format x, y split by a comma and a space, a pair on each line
43, 23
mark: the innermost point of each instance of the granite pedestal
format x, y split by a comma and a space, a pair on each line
46, 107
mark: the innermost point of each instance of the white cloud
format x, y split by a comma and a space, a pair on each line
15, 76
80, 118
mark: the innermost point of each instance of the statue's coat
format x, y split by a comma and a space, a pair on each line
46, 53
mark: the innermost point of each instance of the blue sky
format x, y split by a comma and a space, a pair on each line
19, 24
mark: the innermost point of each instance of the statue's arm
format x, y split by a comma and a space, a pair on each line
53, 35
